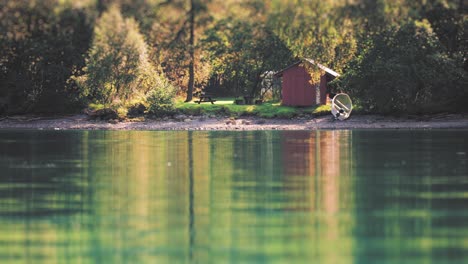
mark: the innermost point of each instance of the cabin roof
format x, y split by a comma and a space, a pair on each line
326, 69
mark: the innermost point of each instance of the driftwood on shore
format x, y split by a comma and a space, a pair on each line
102, 114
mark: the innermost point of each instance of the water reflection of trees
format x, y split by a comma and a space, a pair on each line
221, 197
41, 183
410, 196
196, 196
288, 197
40, 174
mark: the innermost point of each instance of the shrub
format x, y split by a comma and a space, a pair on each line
136, 109
161, 100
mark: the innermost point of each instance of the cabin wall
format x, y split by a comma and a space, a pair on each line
296, 87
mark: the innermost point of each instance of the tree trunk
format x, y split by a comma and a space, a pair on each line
192, 52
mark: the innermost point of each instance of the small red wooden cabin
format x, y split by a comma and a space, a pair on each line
296, 86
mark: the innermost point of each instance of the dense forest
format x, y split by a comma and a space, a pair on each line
58, 56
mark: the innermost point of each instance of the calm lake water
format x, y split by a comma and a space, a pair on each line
234, 197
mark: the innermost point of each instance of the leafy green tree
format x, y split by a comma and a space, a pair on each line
450, 23
406, 70
241, 52
174, 36
143, 11
318, 29
42, 45
118, 66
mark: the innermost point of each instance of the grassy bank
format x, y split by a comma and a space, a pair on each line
223, 107
226, 107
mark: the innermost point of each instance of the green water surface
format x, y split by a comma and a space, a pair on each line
234, 197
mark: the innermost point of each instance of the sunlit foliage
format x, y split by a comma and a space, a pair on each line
240, 53
118, 67
222, 45
406, 71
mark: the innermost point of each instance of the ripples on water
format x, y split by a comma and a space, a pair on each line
234, 197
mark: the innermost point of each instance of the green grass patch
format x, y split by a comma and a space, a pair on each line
94, 107
226, 107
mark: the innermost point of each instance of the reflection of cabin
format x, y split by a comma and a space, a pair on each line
315, 159
297, 88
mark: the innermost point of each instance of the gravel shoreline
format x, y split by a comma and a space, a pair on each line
81, 122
